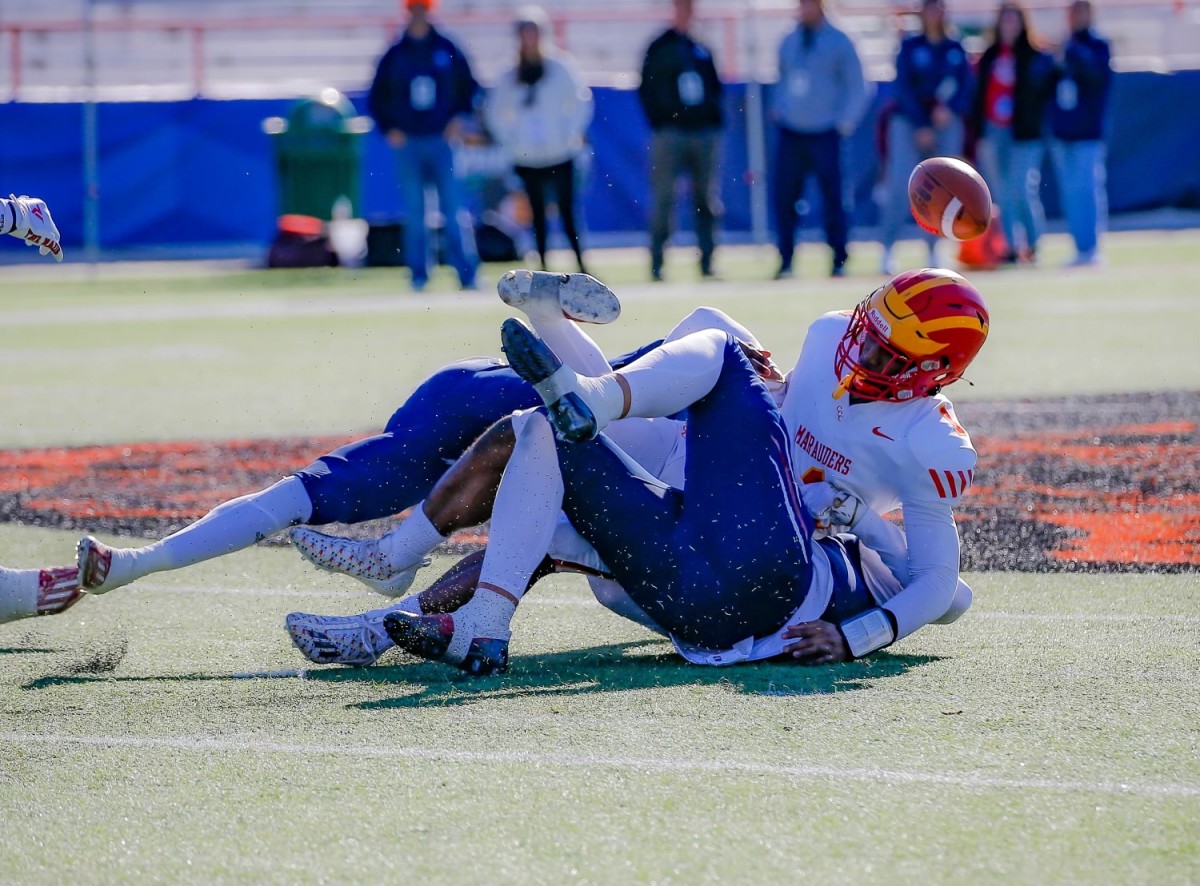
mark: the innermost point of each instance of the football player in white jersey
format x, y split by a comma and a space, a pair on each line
887, 433
28, 592
939, 320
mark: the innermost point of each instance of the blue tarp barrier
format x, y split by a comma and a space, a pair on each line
203, 171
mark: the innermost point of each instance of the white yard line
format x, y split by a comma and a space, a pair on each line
636, 764
589, 602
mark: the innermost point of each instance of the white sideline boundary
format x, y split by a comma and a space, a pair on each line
637, 764
591, 603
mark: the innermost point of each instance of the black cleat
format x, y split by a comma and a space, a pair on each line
429, 636
532, 359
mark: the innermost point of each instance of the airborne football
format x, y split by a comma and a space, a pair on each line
949, 198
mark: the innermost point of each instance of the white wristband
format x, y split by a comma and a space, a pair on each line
868, 632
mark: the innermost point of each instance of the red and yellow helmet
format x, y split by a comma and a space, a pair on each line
911, 337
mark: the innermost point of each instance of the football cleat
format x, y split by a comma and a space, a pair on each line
25, 593
579, 297
433, 637
102, 568
533, 360
58, 589
357, 558
353, 640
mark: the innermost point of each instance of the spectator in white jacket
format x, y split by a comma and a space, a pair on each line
539, 112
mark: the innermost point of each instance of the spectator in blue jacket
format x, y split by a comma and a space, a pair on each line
934, 89
820, 98
1077, 125
422, 87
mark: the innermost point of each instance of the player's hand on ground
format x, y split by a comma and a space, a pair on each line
761, 360
31, 221
815, 643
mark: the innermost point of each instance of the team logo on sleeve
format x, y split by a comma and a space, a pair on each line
951, 484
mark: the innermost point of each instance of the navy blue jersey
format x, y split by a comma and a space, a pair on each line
930, 74
727, 557
420, 85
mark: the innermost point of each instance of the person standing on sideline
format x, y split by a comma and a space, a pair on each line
1077, 125
681, 95
1008, 115
933, 95
423, 85
820, 99
538, 112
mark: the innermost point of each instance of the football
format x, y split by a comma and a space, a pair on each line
949, 198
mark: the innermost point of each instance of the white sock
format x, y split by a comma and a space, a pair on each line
710, 318
525, 513
663, 382
408, 543
229, 527
568, 340
19, 593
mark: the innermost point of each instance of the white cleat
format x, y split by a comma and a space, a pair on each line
578, 297
101, 568
25, 593
357, 558
353, 640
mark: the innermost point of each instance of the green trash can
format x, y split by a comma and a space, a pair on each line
318, 155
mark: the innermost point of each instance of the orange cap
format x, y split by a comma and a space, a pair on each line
428, 4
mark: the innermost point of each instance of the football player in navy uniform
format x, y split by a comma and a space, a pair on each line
724, 564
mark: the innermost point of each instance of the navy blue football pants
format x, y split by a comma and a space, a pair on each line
725, 559
382, 475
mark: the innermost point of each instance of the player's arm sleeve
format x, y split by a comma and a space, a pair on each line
887, 540
8, 216
932, 566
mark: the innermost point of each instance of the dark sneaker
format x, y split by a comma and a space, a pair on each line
532, 359
431, 636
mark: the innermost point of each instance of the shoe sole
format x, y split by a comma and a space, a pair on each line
87, 555
529, 357
593, 303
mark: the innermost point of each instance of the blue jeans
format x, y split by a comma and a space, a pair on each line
1082, 183
1013, 170
902, 156
422, 161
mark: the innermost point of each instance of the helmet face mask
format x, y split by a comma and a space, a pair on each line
911, 337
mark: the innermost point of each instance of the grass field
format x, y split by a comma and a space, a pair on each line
166, 732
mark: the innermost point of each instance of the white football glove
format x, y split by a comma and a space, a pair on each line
834, 509
30, 220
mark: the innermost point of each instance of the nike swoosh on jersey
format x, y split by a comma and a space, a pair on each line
878, 433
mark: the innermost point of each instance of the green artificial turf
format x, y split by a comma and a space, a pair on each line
1050, 736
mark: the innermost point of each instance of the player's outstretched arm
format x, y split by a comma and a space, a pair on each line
29, 219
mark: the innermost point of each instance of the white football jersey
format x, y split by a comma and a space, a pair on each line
913, 455
886, 452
